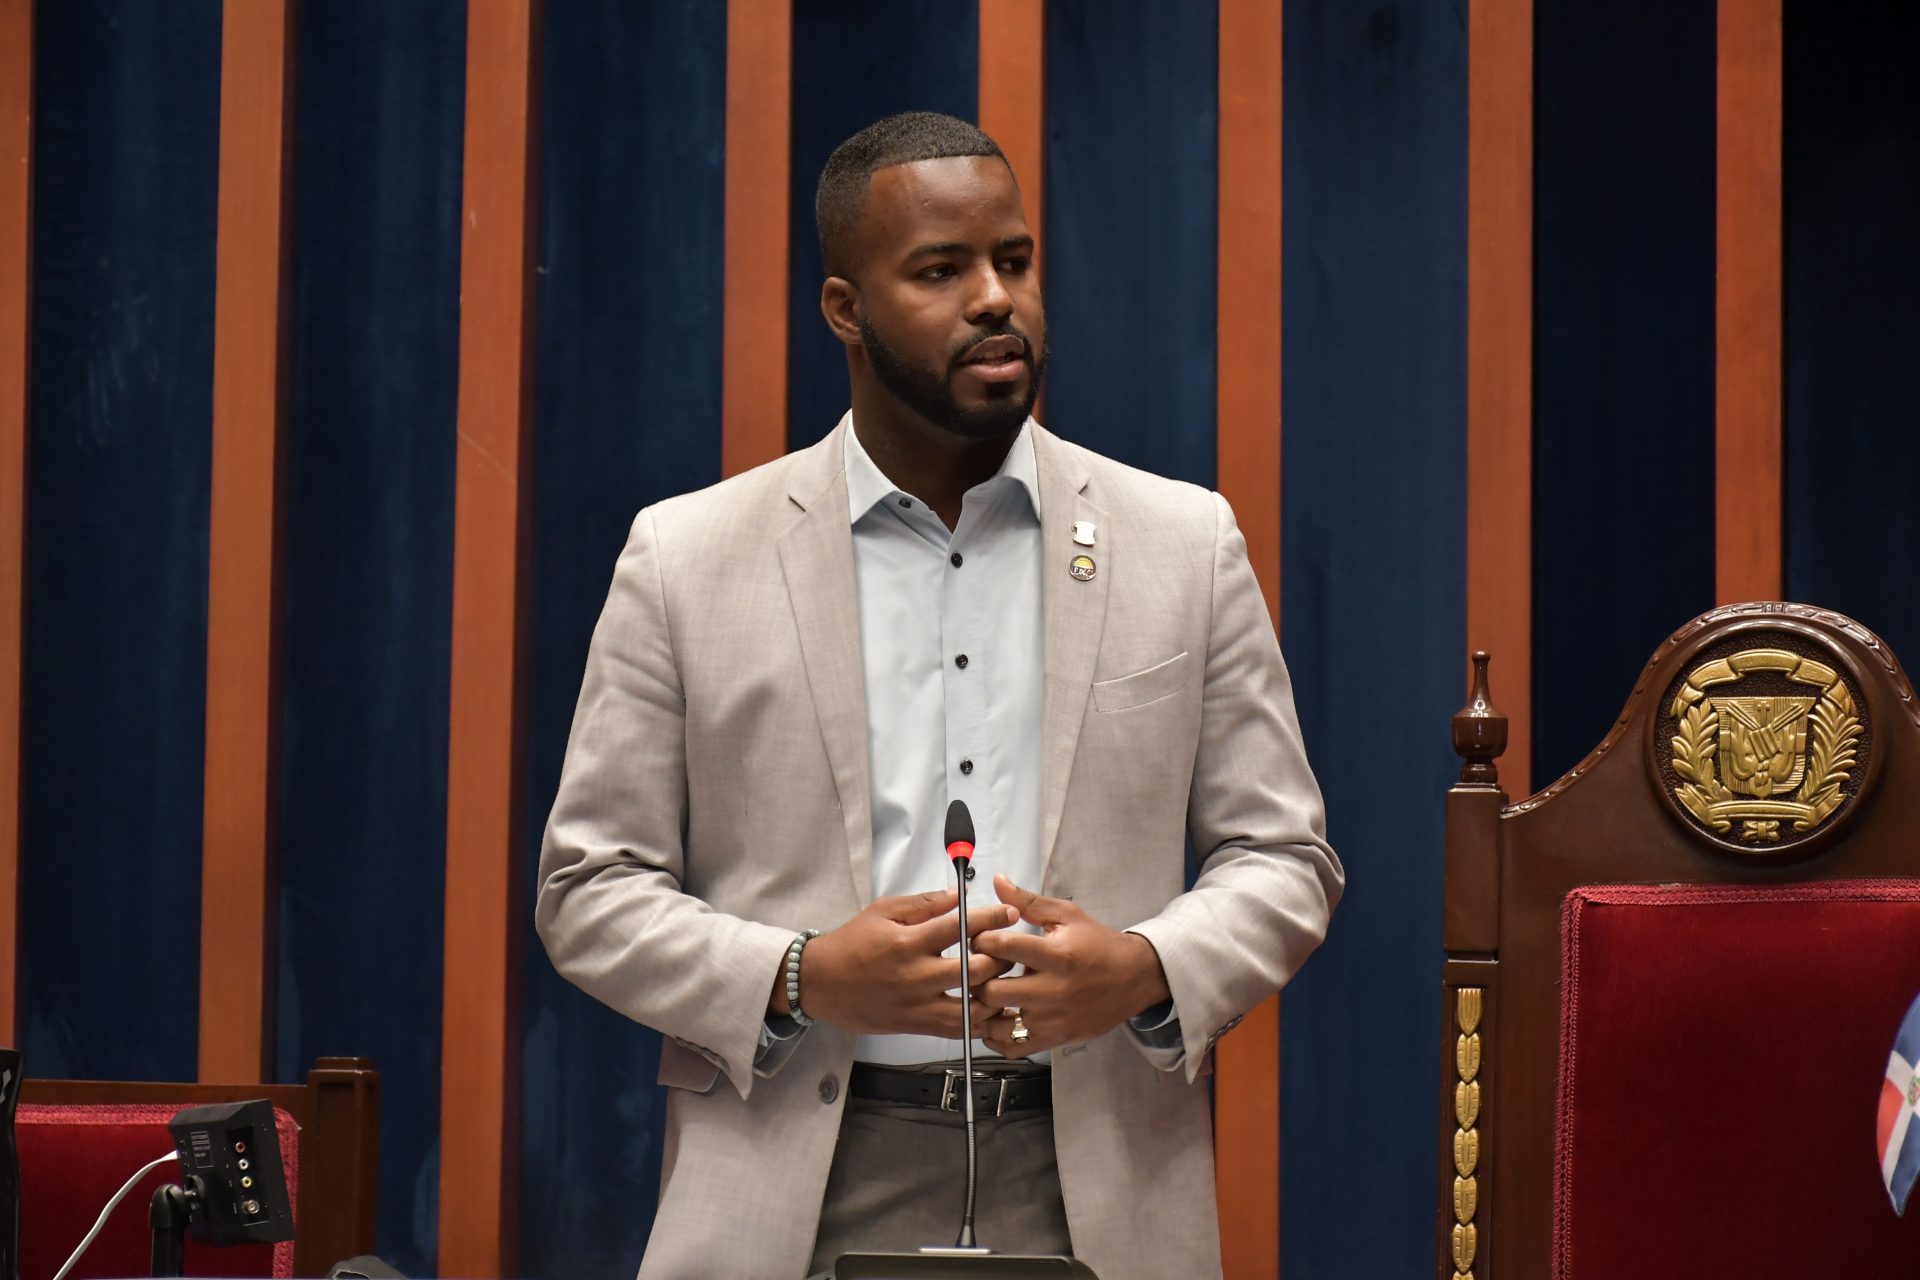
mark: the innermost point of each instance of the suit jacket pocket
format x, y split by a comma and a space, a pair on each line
1142, 687
683, 1068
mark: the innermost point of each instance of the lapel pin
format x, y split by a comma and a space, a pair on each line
1081, 568
1083, 533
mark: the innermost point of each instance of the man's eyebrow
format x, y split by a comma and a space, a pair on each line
945, 247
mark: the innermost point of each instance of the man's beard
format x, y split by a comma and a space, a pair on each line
930, 394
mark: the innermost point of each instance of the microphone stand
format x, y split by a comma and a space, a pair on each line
964, 867
967, 1258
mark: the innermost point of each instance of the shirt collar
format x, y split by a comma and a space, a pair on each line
868, 486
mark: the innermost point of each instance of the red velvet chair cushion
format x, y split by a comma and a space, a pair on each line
73, 1158
1721, 1055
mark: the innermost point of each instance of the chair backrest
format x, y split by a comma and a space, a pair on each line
1672, 978
81, 1139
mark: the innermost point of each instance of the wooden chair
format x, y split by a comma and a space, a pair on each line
80, 1139
1672, 978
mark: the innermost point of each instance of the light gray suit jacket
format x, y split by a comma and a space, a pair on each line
715, 801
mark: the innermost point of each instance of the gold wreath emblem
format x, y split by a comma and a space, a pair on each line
1762, 761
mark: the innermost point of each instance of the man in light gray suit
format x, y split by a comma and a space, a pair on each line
796, 671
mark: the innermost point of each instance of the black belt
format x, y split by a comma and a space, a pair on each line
994, 1093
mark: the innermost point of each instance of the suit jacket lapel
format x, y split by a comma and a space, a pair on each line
1076, 614
816, 554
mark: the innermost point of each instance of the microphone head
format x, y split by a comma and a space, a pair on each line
959, 830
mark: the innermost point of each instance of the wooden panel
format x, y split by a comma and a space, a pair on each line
753, 361
1500, 364
479, 1202
1247, 1090
1013, 95
16, 258
1246, 1145
236, 909
1747, 305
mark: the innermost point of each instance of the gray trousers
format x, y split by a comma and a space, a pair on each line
899, 1182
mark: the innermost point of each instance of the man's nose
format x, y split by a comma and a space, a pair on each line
990, 301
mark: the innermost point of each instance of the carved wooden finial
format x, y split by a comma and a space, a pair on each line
1479, 728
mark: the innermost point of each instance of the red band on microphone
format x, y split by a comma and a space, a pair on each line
960, 850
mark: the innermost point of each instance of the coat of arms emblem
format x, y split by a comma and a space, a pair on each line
1776, 760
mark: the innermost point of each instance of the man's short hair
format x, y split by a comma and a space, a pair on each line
903, 139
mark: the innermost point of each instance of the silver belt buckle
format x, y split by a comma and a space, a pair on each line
948, 1092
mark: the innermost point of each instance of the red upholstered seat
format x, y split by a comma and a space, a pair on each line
1721, 1054
72, 1158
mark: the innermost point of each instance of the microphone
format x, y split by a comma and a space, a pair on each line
959, 832
959, 841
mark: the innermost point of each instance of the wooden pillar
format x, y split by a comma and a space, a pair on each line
1500, 364
753, 359
480, 1038
1247, 1089
249, 342
16, 275
1013, 96
1747, 304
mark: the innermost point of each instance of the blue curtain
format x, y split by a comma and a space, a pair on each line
855, 61
126, 142
627, 412
366, 569
1852, 193
1372, 584
1129, 248
1623, 365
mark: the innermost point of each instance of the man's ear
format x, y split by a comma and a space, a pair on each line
840, 304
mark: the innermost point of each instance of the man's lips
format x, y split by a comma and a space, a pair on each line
996, 350
1001, 359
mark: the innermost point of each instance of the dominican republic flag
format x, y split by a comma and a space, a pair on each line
1899, 1130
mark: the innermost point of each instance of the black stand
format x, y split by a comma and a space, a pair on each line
172, 1209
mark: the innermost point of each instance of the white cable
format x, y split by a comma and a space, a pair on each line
101, 1221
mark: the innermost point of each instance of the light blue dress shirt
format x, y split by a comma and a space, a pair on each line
953, 649
953, 652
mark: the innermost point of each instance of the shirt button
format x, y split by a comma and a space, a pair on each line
906, 502
829, 1088
955, 559
966, 766
961, 662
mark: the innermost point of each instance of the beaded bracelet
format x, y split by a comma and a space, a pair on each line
794, 949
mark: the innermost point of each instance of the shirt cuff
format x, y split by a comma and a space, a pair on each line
778, 1027
1158, 1026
